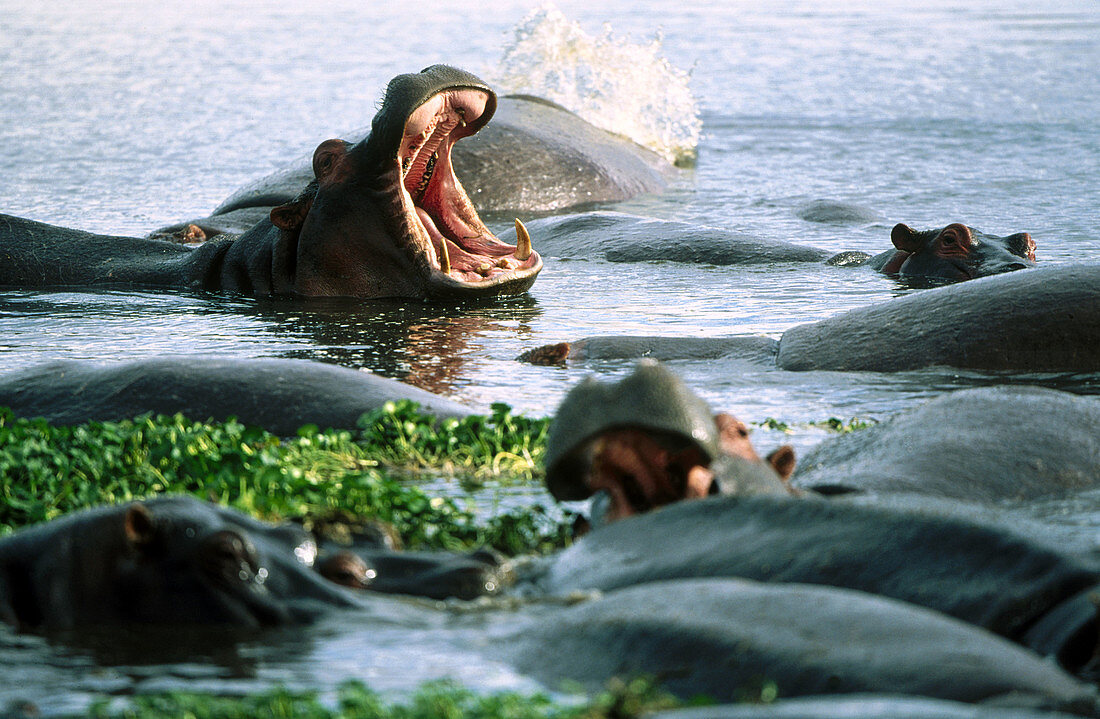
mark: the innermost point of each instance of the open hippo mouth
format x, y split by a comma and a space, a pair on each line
440, 221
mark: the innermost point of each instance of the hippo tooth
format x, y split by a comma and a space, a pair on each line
523, 242
444, 257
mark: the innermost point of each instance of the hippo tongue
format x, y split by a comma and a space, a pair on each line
457, 262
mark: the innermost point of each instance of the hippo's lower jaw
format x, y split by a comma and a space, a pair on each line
454, 250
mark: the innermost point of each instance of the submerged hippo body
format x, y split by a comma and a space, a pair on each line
385, 217
1043, 320
535, 156
278, 395
989, 444
725, 637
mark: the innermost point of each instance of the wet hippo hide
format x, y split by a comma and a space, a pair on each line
384, 217
863, 706
276, 394
990, 444
723, 637
535, 156
619, 237
984, 574
172, 560
1045, 319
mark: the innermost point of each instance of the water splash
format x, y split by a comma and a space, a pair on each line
622, 87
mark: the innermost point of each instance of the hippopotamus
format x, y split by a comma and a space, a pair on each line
536, 156
647, 441
949, 254
176, 560
1043, 320
966, 445
725, 637
279, 395
171, 560
862, 705
384, 217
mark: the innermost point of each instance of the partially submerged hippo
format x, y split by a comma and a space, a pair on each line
725, 637
175, 560
648, 441
1043, 320
949, 254
988, 444
385, 217
279, 395
535, 156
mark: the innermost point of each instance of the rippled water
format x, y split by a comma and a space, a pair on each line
120, 117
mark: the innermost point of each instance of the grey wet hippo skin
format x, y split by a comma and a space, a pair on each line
535, 156
277, 394
863, 706
648, 441
990, 444
1043, 320
723, 638
385, 217
948, 254
167, 561
1010, 581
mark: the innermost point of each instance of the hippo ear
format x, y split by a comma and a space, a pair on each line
905, 238
327, 159
140, 525
291, 215
1022, 245
782, 460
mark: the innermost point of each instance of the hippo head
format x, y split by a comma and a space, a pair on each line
387, 217
648, 441
957, 252
167, 561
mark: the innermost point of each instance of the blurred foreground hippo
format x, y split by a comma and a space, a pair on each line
536, 156
1046, 319
990, 444
279, 395
385, 217
724, 637
948, 254
647, 441
863, 706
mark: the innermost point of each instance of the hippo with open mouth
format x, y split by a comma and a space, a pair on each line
385, 217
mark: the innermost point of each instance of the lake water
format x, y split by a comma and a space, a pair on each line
120, 117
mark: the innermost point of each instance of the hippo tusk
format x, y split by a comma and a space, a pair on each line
523, 242
444, 257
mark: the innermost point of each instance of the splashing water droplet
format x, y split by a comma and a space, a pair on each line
623, 87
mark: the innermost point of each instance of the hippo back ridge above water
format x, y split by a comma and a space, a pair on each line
385, 217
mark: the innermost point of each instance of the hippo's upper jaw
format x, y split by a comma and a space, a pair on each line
388, 218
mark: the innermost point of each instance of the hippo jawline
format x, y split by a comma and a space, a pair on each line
454, 247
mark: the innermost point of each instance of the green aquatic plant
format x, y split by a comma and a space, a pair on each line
832, 424
312, 478
434, 700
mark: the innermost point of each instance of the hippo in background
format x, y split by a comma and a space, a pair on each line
536, 156
1043, 320
385, 217
948, 254
279, 395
